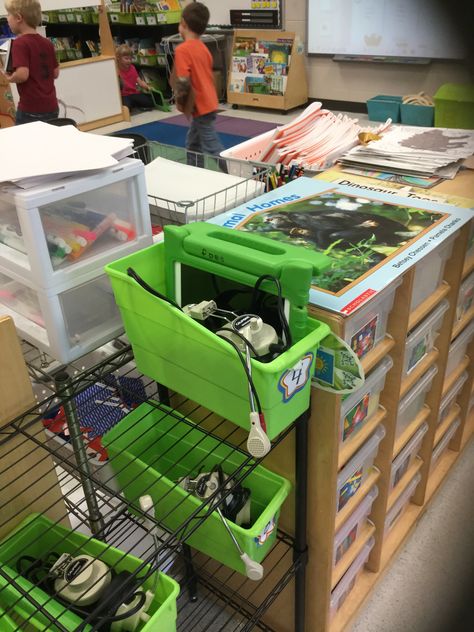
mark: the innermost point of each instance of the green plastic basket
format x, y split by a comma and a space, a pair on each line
180, 353
37, 536
454, 106
150, 450
6, 622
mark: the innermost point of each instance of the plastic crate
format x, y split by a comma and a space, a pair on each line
429, 273
37, 536
454, 106
450, 397
353, 475
422, 339
414, 401
401, 504
347, 582
368, 326
52, 234
66, 323
347, 534
442, 445
358, 407
180, 353
147, 60
402, 462
384, 106
465, 297
458, 349
150, 451
412, 114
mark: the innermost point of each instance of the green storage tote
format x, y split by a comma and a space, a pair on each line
37, 536
454, 106
180, 353
150, 450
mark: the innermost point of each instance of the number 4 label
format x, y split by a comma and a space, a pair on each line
294, 379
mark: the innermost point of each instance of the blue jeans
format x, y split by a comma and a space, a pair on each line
30, 117
202, 137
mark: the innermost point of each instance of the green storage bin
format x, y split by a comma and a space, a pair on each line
150, 450
25, 540
422, 115
180, 353
116, 17
384, 106
454, 106
147, 60
6, 622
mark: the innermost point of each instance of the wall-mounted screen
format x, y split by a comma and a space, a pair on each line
381, 28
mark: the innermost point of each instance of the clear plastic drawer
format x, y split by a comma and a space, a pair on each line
402, 462
349, 531
414, 401
422, 339
429, 273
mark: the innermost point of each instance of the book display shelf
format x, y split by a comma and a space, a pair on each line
267, 70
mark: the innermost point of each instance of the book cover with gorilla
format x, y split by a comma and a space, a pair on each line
370, 238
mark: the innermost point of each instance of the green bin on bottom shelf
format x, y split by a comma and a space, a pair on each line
150, 450
37, 536
180, 353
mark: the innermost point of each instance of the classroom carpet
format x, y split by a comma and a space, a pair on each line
173, 130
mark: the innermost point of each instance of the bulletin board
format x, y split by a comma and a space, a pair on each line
220, 11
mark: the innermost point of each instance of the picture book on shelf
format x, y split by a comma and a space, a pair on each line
371, 237
279, 53
243, 46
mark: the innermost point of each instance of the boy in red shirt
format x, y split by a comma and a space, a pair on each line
34, 63
193, 81
130, 81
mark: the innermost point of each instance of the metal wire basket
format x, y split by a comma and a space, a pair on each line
245, 181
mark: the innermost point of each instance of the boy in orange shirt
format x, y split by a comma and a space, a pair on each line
194, 84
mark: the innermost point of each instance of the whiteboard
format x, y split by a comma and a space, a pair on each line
391, 28
87, 91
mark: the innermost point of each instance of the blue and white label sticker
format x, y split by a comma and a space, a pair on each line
295, 379
266, 533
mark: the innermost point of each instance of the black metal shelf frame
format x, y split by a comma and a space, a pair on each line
224, 596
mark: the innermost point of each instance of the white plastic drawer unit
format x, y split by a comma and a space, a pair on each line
368, 326
347, 582
421, 340
359, 406
51, 233
414, 400
401, 504
353, 475
347, 534
401, 464
66, 324
429, 273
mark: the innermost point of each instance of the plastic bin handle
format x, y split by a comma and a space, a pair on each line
244, 246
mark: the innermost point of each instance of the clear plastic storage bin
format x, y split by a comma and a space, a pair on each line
353, 475
347, 582
66, 324
429, 273
442, 445
402, 462
458, 349
450, 397
414, 400
422, 339
369, 324
349, 531
465, 296
52, 233
359, 406
401, 504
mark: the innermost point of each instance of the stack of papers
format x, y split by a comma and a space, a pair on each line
416, 151
39, 153
313, 140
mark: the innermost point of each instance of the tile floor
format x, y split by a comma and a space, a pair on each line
428, 588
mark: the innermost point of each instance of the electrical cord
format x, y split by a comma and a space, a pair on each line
280, 307
241, 358
131, 273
